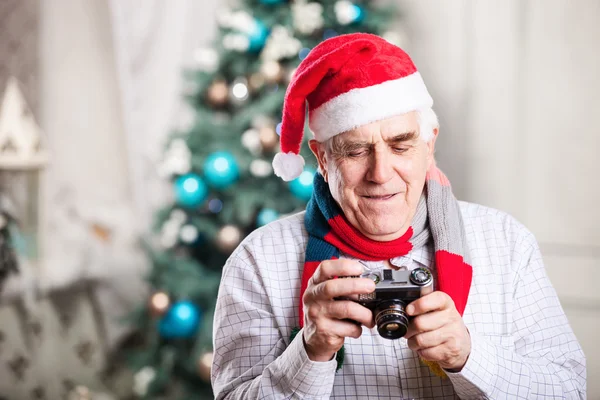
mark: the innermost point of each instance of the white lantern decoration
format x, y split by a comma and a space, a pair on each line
22, 156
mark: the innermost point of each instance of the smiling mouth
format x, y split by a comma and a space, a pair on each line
384, 197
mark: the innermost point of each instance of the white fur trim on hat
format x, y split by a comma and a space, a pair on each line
365, 105
288, 166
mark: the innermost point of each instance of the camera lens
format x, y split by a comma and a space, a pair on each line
420, 276
391, 319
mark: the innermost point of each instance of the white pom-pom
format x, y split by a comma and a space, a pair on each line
288, 166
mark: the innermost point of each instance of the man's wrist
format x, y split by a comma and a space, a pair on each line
455, 370
314, 356
460, 365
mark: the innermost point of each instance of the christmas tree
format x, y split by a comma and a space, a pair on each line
221, 174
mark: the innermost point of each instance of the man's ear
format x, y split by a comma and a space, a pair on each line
431, 147
321, 155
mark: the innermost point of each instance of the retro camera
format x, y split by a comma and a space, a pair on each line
394, 290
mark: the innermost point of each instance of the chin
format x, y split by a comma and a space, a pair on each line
386, 230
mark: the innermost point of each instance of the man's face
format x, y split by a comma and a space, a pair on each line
376, 173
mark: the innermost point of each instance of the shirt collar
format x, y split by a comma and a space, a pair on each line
423, 256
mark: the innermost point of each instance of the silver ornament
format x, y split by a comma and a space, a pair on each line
260, 168
280, 44
207, 59
308, 17
178, 216
167, 240
236, 42
142, 380
251, 141
344, 12
188, 234
239, 90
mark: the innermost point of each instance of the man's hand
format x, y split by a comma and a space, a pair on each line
437, 331
325, 319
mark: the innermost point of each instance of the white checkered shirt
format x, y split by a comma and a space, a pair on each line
522, 346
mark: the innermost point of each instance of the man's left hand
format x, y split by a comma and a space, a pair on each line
437, 331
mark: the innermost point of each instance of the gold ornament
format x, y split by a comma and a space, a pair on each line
159, 303
204, 366
261, 121
268, 138
218, 93
272, 71
256, 82
228, 238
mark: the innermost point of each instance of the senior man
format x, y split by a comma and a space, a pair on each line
490, 327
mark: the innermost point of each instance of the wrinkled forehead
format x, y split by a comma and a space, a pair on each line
386, 129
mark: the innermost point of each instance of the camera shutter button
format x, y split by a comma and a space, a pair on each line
372, 276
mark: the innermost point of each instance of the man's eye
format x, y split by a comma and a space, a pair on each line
357, 153
400, 149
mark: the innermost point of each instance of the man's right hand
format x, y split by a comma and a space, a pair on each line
326, 321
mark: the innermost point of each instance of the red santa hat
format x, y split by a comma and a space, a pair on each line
348, 81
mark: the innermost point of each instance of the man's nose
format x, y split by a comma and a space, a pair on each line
381, 170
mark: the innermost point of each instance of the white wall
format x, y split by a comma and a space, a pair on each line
517, 89
153, 42
80, 100
87, 185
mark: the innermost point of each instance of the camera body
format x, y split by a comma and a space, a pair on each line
394, 290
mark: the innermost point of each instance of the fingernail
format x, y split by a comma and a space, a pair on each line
410, 309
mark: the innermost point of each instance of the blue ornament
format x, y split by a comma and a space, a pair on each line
272, 2
358, 14
190, 190
215, 206
265, 216
181, 321
329, 33
302, 187
257, 36
303, 53
221, 169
